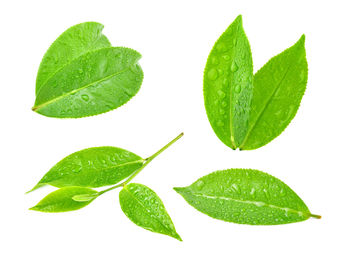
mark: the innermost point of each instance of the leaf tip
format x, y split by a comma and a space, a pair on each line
178, 189
177, 236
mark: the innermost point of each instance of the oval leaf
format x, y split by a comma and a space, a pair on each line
227, 88
278, 89
143, 207
61, 200
94, 83
92, 167
246, 196
72, 43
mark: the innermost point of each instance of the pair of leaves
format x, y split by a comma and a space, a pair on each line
246, 196
81, 74
81, 171
139, 203
248, 111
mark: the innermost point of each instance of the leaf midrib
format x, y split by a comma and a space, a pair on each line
102, 169
256, 203
35, 108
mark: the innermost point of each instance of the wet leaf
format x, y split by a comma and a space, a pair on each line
94, 83
143, 207
228, 85
246, 196
92, 167
61, 200
72, 43
279, 87
248, 112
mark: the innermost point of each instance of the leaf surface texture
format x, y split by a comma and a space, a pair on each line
245, 196
143, 207
92, 167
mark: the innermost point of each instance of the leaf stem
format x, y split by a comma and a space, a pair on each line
147, 161
315, 216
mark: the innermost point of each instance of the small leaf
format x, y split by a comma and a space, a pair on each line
278, 89
72, 43
246, 196
143, 207
228, 85
92, 167
94, 83
61, 200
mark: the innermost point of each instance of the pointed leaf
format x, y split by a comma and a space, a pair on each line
72, 43
278, 89
92, 167
227, 89
246, 197
61, 200
143, 207
94, 83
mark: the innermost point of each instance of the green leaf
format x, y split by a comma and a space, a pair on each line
143, 207
247, 111
278, 89
228, 85
92, 167
246, 196
61, 200
72, 43
94, 83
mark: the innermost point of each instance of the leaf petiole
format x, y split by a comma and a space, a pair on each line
147, 161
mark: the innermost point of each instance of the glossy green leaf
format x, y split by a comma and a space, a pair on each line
246, 196
94, 83
61, 200
278, 89
228, 85
143, 207
247, 111
72, 43
92, 167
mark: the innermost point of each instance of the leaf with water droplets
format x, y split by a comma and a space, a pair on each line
246, 196
61, 200
279, 87
71, 44
92, 167
143, 207
94, 83
247, 111
227, 88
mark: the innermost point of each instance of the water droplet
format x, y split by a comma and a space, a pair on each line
224, 104
221, 47
220, 123
225, 82
214, 60
200, 184
80, 71
259, 204
220, 72
85, 98
238, 89
234, 67
212, 74
222, 111
226, 57
221, 94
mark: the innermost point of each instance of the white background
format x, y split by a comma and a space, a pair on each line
175, 38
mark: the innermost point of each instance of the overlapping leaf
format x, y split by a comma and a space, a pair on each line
82, 75
247, 197
247, 111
